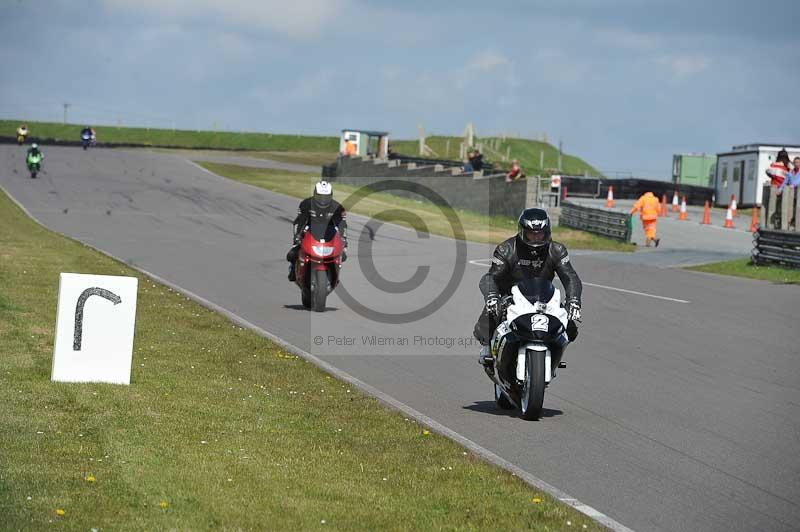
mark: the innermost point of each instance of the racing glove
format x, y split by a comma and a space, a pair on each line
493, 305
574, 309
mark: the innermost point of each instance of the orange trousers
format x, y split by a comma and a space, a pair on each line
649, 229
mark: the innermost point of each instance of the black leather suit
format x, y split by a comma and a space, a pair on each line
308, 212
512, 262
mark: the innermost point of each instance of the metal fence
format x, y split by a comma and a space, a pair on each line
614, 225
593, 187
777, 247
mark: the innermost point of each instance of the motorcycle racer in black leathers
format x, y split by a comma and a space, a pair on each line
320, 207
529, 254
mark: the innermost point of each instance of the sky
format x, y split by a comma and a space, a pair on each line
624, 84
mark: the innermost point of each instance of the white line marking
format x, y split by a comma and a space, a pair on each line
206, 170
487, 262
483, 452
637, 293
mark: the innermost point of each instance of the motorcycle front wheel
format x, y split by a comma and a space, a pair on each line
319, 290
532, 396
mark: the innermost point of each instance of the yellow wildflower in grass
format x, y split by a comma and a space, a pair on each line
163, 505
425, 432
536, 500
90, 478
60, 512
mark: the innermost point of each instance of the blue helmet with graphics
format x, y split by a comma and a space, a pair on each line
533, 228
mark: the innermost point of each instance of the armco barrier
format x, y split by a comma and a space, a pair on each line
614, 225
776, 247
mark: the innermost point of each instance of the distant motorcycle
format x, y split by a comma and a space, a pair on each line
86, 140
21, 137
34, 162
527, 346
318, 263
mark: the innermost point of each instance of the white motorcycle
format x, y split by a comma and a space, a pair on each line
527, 346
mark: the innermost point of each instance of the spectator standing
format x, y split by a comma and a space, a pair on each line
349, 148
515, 172
778, 172
477, 160
468, 165
648, 206
792, 180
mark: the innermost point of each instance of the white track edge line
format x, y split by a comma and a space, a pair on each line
637, 293
479, 262
484, 453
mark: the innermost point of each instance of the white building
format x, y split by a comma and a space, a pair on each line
741, 172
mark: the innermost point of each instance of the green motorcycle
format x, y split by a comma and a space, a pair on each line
34, 161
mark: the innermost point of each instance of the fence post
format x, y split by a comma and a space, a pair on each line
764, 218
786, 204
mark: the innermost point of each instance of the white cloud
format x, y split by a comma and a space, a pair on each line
488, 61
682, 66
628, 39
301, 19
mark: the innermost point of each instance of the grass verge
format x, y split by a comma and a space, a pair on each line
223, 140
477, 227
219, 429
743, 268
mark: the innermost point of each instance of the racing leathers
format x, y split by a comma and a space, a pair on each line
310, 212
513, 262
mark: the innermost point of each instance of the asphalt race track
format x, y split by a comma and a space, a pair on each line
680, 408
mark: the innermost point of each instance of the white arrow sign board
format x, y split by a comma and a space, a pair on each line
94, 328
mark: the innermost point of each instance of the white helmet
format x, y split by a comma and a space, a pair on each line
323, 193
35, 146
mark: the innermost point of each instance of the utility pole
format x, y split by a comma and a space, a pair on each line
559, 155
66, 106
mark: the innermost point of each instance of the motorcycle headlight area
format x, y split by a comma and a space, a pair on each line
322, 251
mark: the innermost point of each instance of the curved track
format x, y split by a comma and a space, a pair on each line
677, 412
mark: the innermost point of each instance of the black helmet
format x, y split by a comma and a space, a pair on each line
533, 228
323, 194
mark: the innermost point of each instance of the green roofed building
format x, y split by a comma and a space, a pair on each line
693, 169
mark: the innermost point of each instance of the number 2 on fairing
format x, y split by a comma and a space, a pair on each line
540, 322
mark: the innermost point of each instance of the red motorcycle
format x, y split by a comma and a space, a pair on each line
318, 263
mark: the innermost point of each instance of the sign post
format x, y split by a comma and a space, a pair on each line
94, 328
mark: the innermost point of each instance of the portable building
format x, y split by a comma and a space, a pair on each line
693, 169
741, 172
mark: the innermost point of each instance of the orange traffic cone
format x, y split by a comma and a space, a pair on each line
682, 215
675, 202
729, 219
706, 214
610, 198
663, 205
754, 220
733, 204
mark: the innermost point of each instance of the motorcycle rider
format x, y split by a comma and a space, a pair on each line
86, 133
22, 131
531, 253
320, 207
33, 151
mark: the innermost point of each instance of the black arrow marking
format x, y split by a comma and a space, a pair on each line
89, 292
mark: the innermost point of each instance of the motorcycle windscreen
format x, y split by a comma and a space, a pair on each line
322, 231
537, 290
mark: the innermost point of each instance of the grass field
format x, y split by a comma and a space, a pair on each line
222, 140
301, 148
527, 151
477, 227
743, 268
